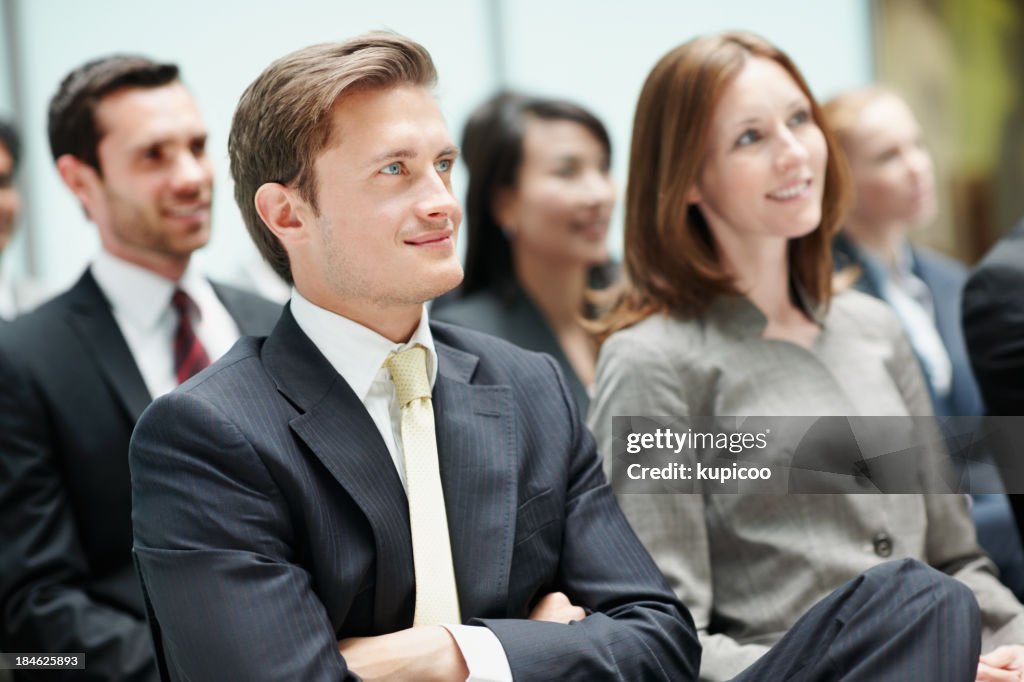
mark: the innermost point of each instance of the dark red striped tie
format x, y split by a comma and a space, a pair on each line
189, 355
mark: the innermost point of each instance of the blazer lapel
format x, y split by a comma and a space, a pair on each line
476, 442
336, 427
253, 315
90, 316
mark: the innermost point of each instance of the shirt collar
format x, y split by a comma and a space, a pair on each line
739, 316
356, 352
139, 294
902, 268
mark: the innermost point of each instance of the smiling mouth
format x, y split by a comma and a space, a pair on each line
198, 212
791, 192
432, 239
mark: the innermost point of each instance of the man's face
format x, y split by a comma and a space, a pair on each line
152, 201
10, 202
387, 224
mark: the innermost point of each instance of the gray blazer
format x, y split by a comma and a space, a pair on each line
749, 566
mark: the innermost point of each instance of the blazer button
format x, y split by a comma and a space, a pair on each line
883, 545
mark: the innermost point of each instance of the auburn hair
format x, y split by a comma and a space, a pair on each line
671, 262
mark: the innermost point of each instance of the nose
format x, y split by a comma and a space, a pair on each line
598, 188
792, 152
919, 162
191, 172
437, 204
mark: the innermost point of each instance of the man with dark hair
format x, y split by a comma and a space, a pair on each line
16, 295
76, 373
10, 202
426, 495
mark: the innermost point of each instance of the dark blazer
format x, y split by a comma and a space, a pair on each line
945, 279
993, 320
270, 521
70, 394
512, 316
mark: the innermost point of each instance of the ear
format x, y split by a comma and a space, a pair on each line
81, 178
693, 194
282, 210
506, 208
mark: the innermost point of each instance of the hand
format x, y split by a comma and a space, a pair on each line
1005, 664
557, 608
427, 653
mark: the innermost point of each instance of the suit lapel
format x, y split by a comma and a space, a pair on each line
253, 315
340, 432
90, 316
476, 445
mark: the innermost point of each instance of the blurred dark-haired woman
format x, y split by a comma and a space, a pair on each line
538, 205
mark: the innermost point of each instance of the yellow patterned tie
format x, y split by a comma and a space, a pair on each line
437, 598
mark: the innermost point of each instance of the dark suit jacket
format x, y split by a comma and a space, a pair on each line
70, 394
993, 320
945, 279
512, 316
504, 310
270, 521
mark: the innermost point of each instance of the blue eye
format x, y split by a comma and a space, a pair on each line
392, 169
748, 137
444, 165
802, 116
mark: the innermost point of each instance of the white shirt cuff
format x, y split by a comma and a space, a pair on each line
485, 658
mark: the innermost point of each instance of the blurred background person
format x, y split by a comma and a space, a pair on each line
16, 295
734, 194
129, 143
538, 204
893, 184
993, 318
893, 193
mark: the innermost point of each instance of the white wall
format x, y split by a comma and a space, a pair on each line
595, 52
6, 93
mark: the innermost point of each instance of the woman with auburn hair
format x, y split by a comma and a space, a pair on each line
734, 193
538, 204
894, 192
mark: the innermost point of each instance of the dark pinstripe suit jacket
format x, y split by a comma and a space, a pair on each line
270, 521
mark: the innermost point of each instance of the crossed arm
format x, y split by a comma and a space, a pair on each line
429, 653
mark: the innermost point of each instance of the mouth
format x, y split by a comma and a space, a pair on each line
593, 229
796, 190
435, 239
922, 193
189, 212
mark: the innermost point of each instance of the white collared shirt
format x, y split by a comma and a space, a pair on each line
141, 303
358, 354
8, 305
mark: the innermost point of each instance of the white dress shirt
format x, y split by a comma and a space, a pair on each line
358, 354
8, 304
141, 302
911, 299
18, 295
